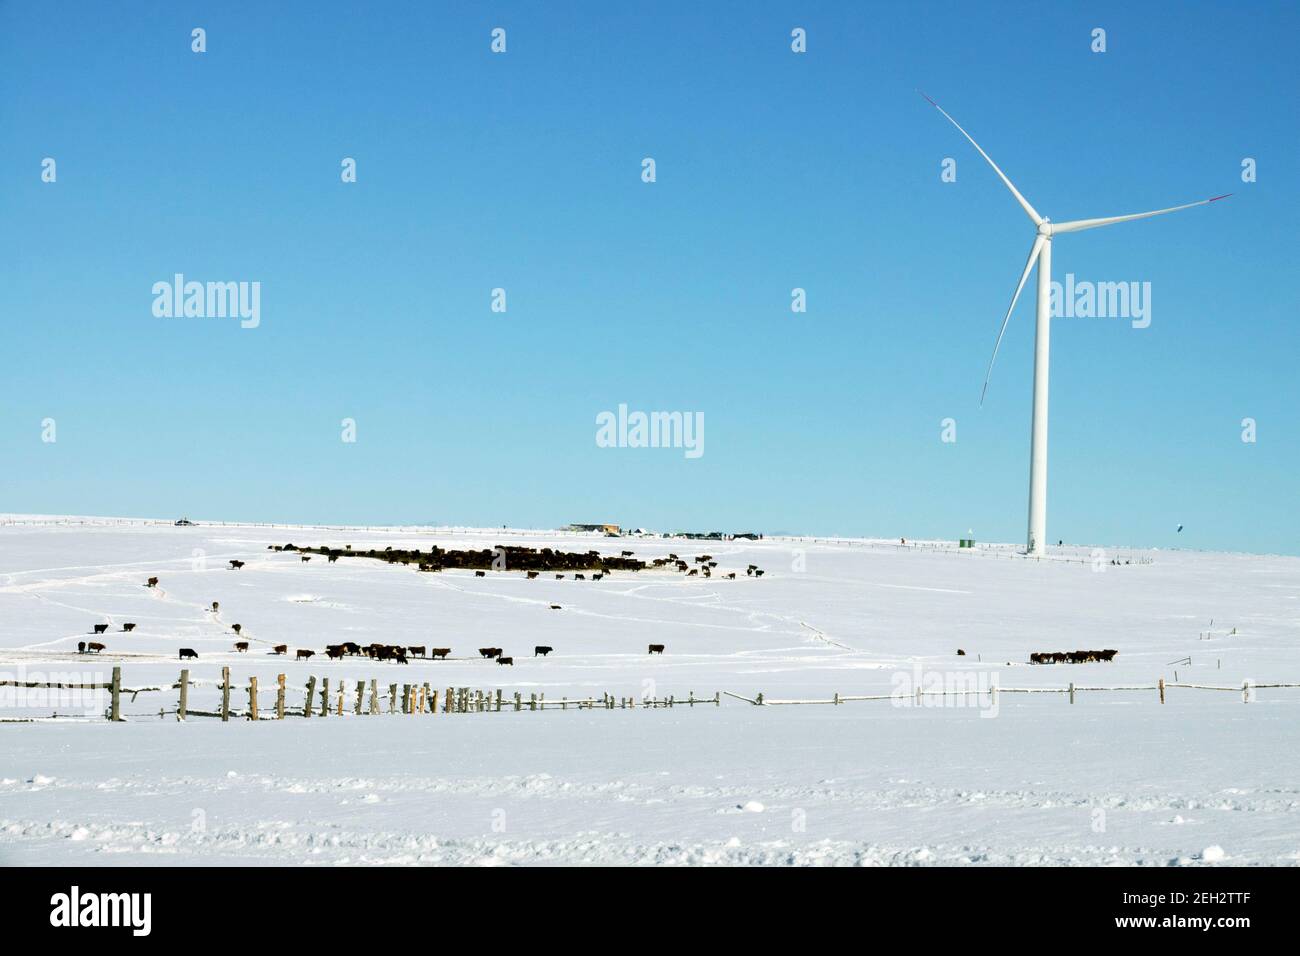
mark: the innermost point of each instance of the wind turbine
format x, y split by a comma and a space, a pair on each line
1041, 252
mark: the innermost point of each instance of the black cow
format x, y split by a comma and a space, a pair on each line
506, 660
101, 628
187, 652
542, 649
439, 653
303, 655
656, 648
241, 646
128, 627
531, 575
236, 565
151, 583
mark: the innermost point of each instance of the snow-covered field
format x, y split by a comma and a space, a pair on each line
1008, 778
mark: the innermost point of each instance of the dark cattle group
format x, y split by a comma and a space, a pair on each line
489, 652
1071, 657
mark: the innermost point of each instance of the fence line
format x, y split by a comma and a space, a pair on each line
320, 699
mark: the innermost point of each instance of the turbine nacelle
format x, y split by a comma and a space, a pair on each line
1045, 229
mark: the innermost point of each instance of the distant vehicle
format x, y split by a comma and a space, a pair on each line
185, 523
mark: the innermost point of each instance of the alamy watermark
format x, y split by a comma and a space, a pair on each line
1084, 299
626, 429
208, 300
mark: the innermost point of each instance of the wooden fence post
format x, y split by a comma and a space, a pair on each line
340, 709
498, 700
115, 706
519, 701
324, 696
225, 693
252, 698
311, 694
374, 696
1162, 690
185, 694
1072, 692
361, 691
392, 698
1245, 692
279, 697
433, 703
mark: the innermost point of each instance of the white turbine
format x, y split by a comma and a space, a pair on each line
1041, 252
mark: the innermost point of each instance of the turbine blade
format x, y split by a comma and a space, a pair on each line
1024, 203
1078, 225
1029, 265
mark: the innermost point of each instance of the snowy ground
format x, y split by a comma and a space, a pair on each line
1028, 778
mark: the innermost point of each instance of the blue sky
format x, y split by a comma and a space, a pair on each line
523, 171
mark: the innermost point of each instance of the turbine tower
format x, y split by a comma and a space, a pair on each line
1041, 252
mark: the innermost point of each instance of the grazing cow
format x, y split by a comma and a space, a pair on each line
480, 574
215, 607
531, 575
579, 577
236, 628
151, 583
556, 607
400, 656
241, 646
960, 652
303, 655
758, 572
542, 649
280, 649
559, 577
732, 576
128, 627
187, 652
94, 647
627, 554
439, 653
351, 647
598, 575
333, 558
692, 572
334, 652
101, 628
306, 558
236, 565
506, 660
81, 647
656, 648
416, 651
1108, 655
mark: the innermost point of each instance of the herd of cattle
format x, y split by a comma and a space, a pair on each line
1071, 657
533, 561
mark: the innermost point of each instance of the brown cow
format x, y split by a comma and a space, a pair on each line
236, 565
439, 652
128, 627
656, 648
303, 655
960, 652
334, 652
101, 628
188, 652
489, 651
241, 646
416, 650
280, 649
531, 575
151, 583
95, 647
